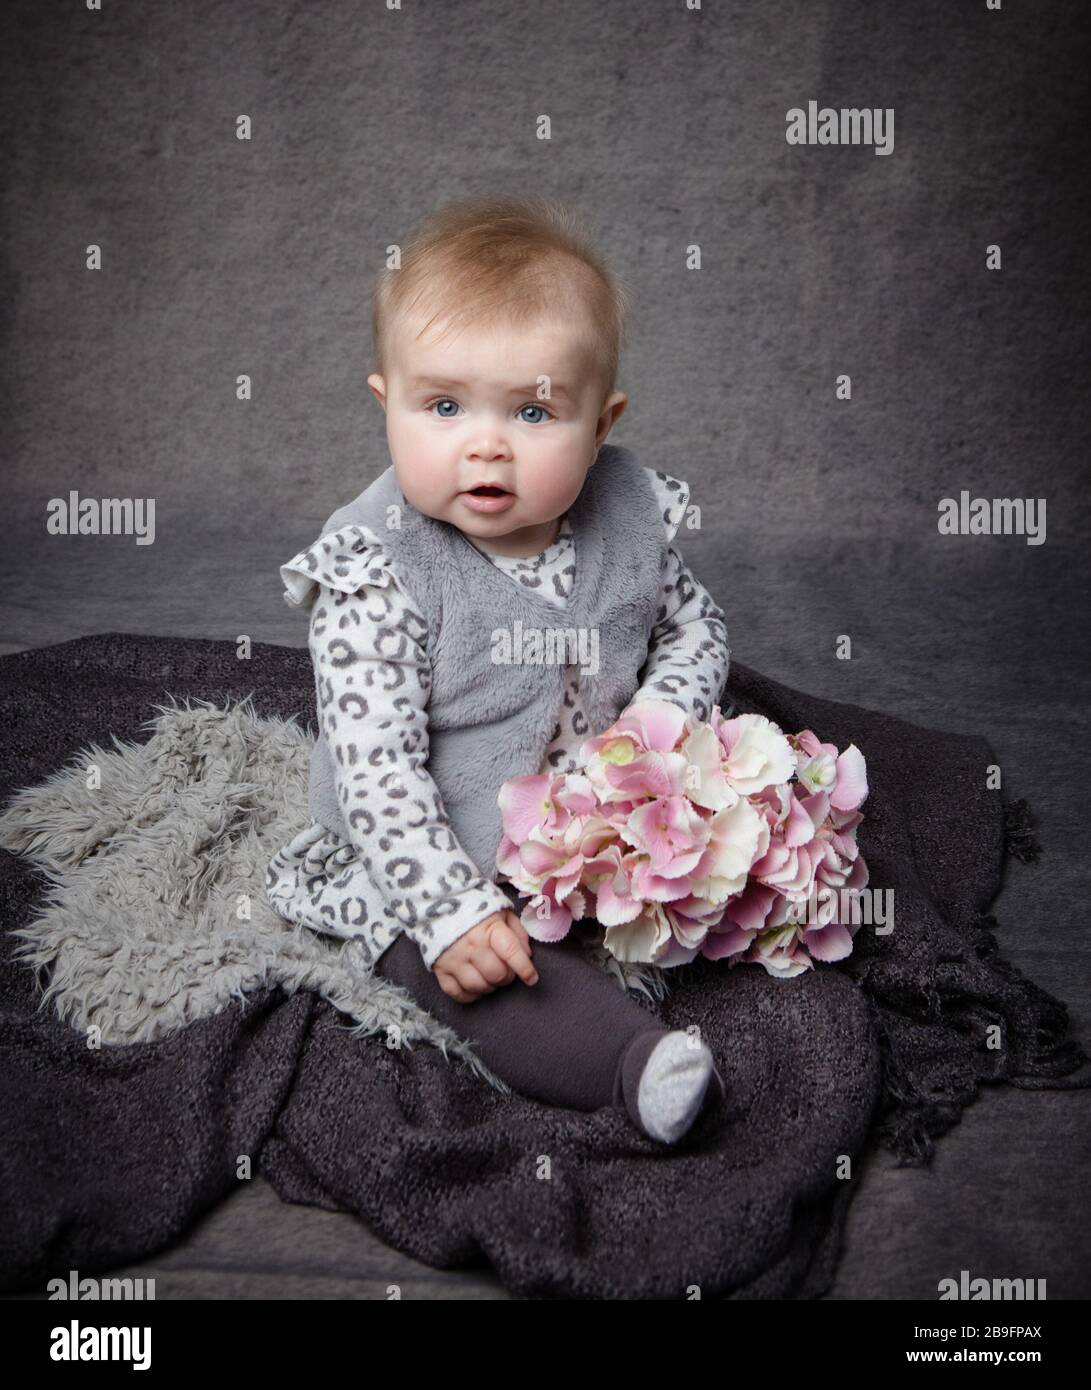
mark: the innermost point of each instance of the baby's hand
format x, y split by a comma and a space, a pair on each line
489, 954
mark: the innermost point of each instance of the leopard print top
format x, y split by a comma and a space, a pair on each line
336, 886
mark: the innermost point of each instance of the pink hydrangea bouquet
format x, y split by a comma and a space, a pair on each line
680, 837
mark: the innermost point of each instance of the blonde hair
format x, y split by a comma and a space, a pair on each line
513, 259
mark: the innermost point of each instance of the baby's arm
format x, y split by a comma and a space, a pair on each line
373, 680
688, 653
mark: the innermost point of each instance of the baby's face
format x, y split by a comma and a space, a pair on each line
467, 411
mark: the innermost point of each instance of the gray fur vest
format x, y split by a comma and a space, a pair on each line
488, 720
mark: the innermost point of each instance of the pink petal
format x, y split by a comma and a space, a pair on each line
774, 859
658, 723
613, 905
537, 858
552, 928
751, 908
831, 942
718, 944
522, 805
799, 827
852, 786
676, 954
817, 806
662, 887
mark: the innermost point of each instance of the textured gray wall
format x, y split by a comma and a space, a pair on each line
668, 128
819, 515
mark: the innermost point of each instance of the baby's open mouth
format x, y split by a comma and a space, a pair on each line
489, 491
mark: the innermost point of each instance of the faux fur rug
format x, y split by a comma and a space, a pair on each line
226, 1031
155, 915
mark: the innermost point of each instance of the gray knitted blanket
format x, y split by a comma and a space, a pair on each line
158, 1021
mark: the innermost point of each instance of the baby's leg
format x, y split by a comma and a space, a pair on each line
573, 1039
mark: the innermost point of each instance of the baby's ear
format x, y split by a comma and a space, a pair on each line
378, 388
610, 412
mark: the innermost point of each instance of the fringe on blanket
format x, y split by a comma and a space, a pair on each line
1019, 838
968, 991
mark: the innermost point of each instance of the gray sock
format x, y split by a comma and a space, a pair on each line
672, 1085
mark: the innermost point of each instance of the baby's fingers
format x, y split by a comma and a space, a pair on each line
453, 989
465, 984
505, 942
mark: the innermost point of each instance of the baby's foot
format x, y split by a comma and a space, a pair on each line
673, 1085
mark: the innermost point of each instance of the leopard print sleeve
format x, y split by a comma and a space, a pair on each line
688, 653
368, 645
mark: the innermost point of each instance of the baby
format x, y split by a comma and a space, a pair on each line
496, 351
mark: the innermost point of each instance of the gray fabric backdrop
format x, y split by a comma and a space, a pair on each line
668, 127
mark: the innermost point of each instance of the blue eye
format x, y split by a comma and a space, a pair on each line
451, 414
